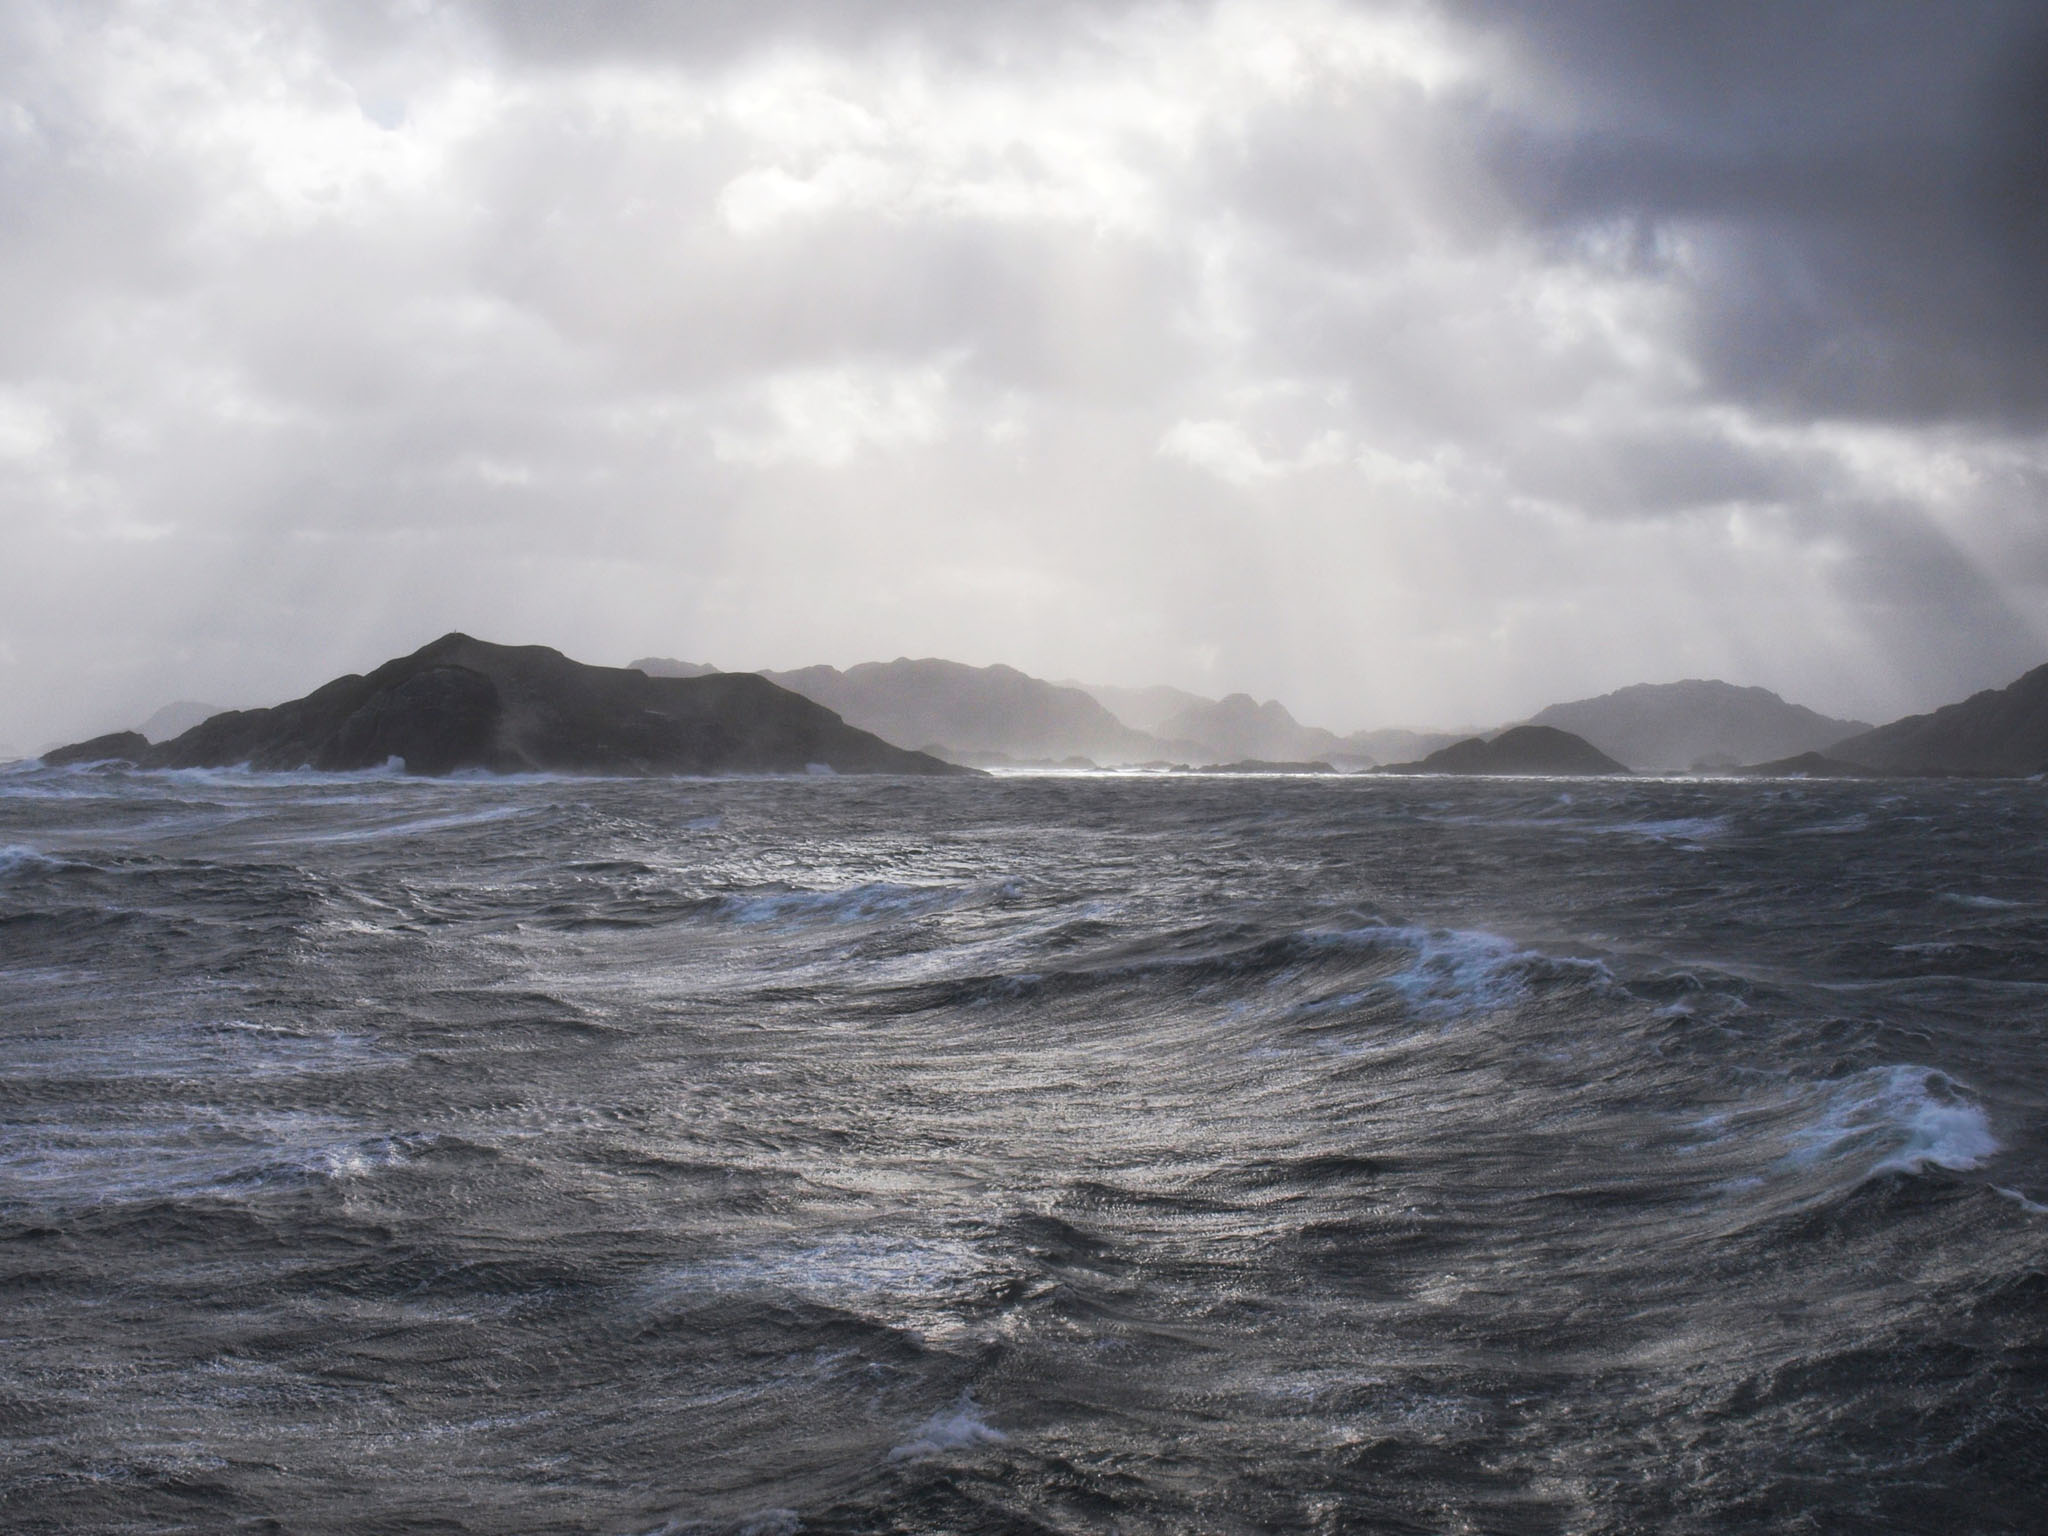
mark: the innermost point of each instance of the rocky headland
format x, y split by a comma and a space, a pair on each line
2001, 732
465, 704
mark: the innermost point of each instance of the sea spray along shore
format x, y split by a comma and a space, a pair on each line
1021, 1154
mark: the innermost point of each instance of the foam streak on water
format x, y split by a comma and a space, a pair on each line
1023, 1154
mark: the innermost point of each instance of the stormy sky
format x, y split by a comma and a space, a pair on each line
1417, 363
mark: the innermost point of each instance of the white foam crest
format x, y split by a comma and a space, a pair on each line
94, 1165
1847, 825
950, 1429
763, 1522
1914, 1116
1461, 972
1456, 972
852, 904
413, 827
1677, 829
206, 1050
19, 858
848, 1267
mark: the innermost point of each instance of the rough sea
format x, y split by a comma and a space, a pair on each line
1027, 1154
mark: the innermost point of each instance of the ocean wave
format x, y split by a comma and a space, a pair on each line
1434, 974
1455, 973
845, 1268
413, 828
950, 1429
1981, 903
20, 859
1842, 827
1912, 1117
761, 1522
871, 902
71, 1166
1677, 829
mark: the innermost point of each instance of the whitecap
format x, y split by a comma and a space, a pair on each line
1679, 829
1857, 822
414, 827
950, 1429
19, 858
1915, 1117
1461, 972
225, 1158
763, 1522
852, 904
846, 1268
1456, 972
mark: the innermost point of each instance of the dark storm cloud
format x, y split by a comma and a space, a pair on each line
1865, 186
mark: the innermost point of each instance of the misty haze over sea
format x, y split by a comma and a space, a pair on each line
1366, 851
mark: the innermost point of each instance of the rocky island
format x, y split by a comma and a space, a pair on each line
461, 703
1526, 749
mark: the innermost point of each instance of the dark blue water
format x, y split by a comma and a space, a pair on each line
1032, 1154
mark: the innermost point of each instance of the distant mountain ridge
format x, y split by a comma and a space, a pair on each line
1142, 709
464, 703
1238, 728
972, 713
668, 666
999, 714
1696, 723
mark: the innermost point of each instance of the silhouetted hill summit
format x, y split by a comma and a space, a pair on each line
1142, 709
1696, 723
461, 703
1530, 749
668, 666
176, 719
994, 712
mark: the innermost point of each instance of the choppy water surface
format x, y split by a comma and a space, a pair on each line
1074, 1154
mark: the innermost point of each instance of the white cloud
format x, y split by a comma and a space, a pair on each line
829, 415
28, 430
